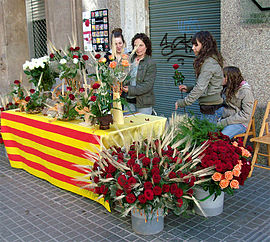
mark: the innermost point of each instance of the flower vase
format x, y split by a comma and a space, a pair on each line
210, 206
105, 121
117, 112
144, 225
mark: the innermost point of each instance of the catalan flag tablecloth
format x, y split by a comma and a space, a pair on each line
51, 149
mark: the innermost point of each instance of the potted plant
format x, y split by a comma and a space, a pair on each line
148, 178
231, 168
228, 159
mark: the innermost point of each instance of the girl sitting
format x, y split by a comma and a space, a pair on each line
239, 102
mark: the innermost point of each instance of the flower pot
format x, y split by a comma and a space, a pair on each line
210, 206
147, 226
105, 121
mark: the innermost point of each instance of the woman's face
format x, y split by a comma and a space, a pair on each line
224, 82
197, 48
141, 50
119, 45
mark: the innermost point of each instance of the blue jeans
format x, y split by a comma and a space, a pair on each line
234, 129
213, 118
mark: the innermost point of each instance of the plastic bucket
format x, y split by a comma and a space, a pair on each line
210, 206
153, 225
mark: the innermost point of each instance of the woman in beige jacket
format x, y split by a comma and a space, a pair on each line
239, 102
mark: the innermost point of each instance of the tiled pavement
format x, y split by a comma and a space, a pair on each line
32, 209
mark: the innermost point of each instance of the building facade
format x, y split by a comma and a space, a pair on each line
241, 27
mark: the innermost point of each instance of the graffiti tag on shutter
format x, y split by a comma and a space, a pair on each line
181, 42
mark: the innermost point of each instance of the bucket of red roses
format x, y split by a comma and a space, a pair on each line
147, 179
231, 168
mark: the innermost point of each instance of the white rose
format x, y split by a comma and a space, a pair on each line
31, 66
75, 60
63, 61
26, 65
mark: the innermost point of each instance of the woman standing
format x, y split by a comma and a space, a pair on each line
118, 45
239, 102
208, 66
140, 91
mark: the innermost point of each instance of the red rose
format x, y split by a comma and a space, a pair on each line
77, 48
136, 168
69, 89
17, 82
119, 192
141, 156
130, 198
172, 175
96, 179
157, 190
27, 99
103, 189
155, 161
156, 178
110, 168
97, 56
75, 57
129, 173
71, 96
87, 22
96, 85
97, 190
140, 172
96, 166
109, 175
178, 192
166, 188
132, 180
155, 170
71, 49
131, 162
32, 91
146, 161
51, 55
2, 109
149, 195
85, 57
93, 98
10, 103
142, 199
122, 180
175, 66
190, 192
179, 202
120, 156
81, 89
147, 185
173, 188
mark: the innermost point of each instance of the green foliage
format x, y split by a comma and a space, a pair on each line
195, 128
35, 103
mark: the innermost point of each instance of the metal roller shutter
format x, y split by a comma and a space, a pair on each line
172, 24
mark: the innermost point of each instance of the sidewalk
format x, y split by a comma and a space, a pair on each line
32, 209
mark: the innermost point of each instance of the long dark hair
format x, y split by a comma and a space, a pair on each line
209, 49
234, 79
145, 39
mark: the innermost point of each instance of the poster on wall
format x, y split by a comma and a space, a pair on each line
87, 37
100, 30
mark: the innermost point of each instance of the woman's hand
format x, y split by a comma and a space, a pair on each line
183, 88
125, 89
176, 106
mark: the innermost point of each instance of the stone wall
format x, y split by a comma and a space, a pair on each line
13, 42
246, 46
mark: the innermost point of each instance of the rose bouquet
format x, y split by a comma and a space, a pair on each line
230, 160
69, 64
148, 175
40, 68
